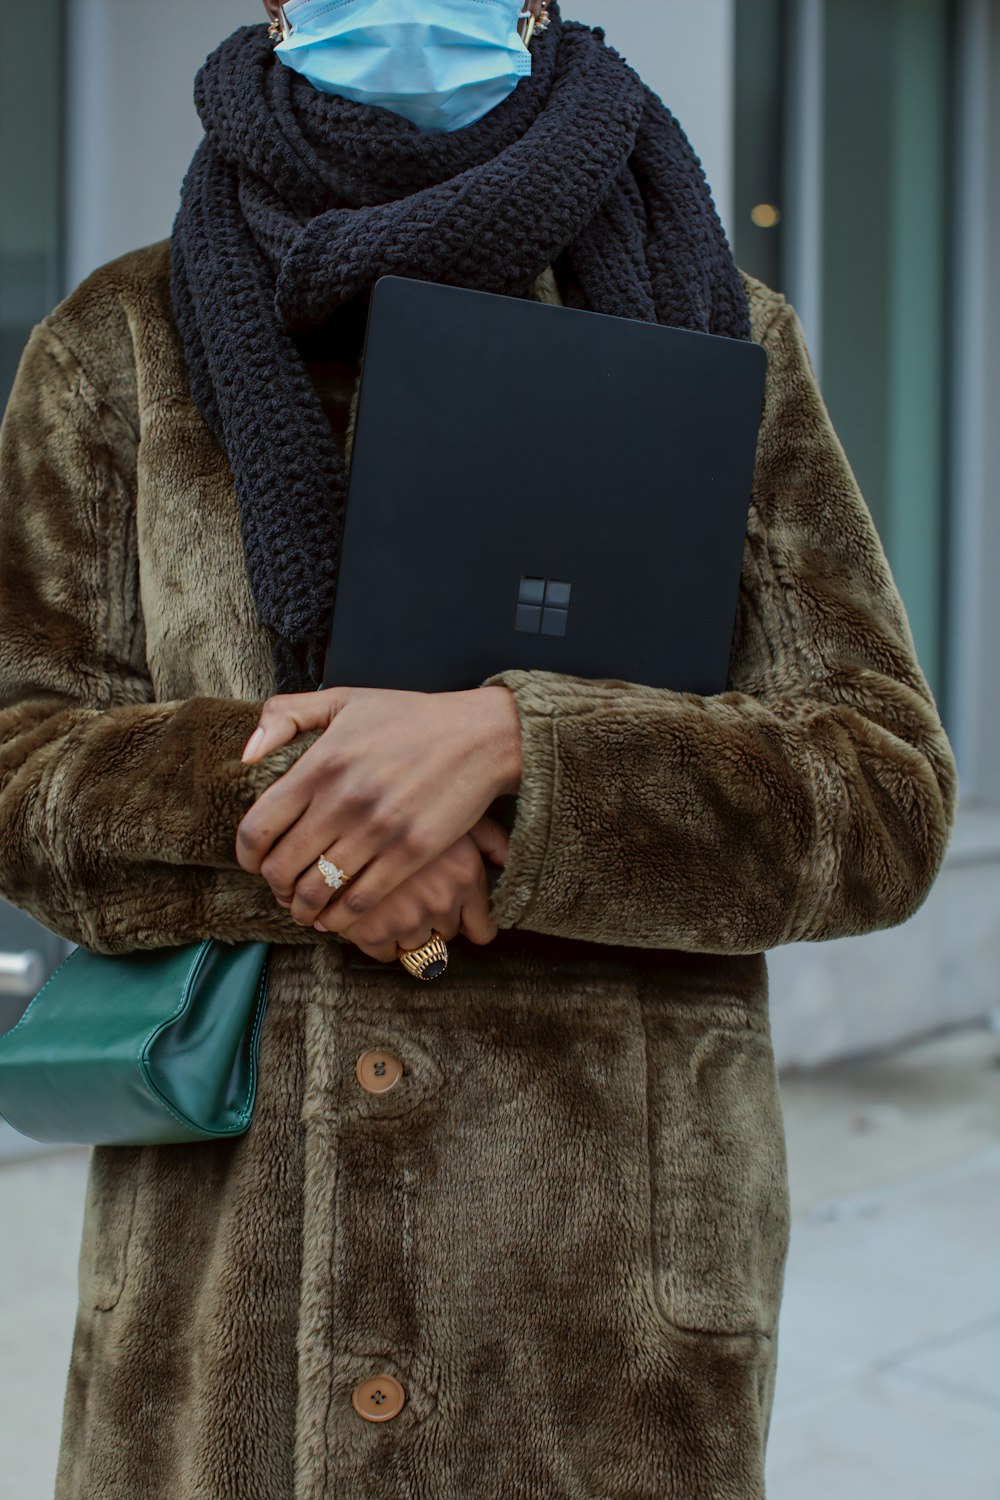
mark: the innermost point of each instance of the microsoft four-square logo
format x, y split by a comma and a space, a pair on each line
542, 607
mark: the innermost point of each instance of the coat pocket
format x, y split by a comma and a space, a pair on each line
107, 1224
718, 1175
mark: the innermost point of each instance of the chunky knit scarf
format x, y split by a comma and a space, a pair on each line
297, 201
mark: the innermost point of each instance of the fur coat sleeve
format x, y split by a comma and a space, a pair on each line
814, 800
117, 814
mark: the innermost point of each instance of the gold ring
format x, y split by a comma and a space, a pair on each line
427, 962
333, 877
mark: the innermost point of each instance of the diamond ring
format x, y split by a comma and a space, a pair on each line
333, 877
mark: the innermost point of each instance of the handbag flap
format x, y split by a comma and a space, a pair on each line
201, 1061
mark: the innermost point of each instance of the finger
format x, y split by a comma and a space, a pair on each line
287, 715
447, 926
384, 953
276, 814
403, 912
385, 934
333, 810
492, 840
414, 938
268, 821
477, 919
443, 892
376, 881
478, 927
291, 866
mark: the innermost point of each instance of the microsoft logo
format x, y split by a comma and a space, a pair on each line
542, 607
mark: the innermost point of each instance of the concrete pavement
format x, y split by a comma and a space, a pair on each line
889, 1342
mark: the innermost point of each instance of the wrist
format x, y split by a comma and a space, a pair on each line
502, 724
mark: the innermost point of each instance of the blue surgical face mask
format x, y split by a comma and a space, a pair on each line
441, 63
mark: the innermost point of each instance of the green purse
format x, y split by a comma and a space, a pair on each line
142, 1049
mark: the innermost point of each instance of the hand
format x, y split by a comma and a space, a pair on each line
394, 780
448, 896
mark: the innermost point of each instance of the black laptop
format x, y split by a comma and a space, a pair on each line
541, 487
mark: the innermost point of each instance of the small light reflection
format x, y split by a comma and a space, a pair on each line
765, 215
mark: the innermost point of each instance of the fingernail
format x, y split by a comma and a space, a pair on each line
319, 927
252, 744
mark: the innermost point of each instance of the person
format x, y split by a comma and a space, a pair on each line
518, 1230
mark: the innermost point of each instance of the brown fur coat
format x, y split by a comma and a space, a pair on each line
564, 1230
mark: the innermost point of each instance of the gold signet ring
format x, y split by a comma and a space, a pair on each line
427, 962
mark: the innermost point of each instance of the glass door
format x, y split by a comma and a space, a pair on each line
883, 69
886, 222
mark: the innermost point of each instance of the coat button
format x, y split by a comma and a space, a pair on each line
378, 1072
378, 1400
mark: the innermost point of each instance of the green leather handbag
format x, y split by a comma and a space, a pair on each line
142, 1049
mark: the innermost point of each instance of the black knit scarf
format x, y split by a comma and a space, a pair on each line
297, 201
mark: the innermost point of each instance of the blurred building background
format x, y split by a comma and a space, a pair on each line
854, 150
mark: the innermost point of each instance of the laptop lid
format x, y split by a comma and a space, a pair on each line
541, 487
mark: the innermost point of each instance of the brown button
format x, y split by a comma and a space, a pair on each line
378, 1071
378, 1400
